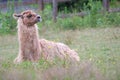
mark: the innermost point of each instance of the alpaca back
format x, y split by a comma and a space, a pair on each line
51, 50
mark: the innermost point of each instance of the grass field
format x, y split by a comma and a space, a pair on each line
99, 51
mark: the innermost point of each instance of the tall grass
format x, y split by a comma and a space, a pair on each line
98, 50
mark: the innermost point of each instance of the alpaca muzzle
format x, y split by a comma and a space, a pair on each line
39, 19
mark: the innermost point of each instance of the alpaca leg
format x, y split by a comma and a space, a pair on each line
18, 59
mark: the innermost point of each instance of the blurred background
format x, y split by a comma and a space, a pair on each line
92, 13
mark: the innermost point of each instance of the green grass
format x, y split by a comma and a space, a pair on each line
99, 51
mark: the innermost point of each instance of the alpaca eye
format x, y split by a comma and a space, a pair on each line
29, 16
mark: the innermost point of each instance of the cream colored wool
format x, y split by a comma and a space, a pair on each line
50, 50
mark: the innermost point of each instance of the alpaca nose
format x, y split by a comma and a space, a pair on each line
38, 16
39, 19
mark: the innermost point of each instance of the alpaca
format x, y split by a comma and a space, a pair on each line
32, 48
29, 48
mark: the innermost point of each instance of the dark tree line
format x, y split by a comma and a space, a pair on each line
77, 5
73, 4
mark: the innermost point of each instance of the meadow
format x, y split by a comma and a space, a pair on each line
98, 48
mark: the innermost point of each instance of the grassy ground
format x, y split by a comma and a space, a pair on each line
99, 50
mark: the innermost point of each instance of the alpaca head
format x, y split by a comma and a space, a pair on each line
28, 17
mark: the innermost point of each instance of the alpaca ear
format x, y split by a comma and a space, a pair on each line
16, 16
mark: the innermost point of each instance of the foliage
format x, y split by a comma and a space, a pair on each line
7, 23
77, 5
73, 4
94, 18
